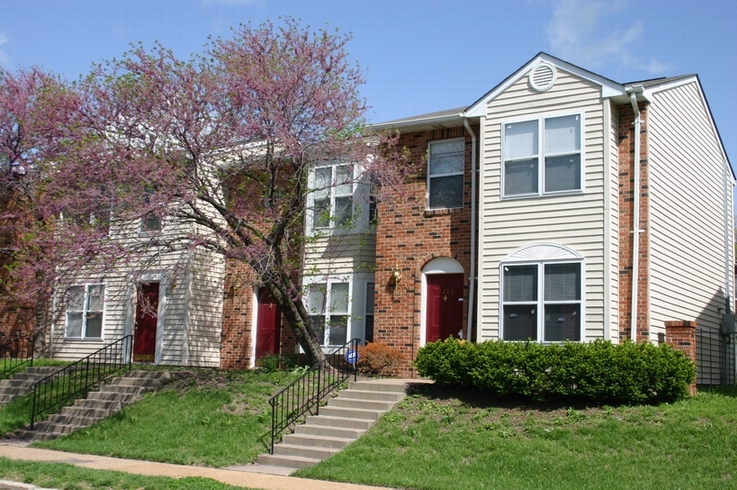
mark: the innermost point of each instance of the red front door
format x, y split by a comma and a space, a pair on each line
268, 325
444, 306
147, 307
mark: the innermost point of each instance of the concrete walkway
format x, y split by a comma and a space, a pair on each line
235, 477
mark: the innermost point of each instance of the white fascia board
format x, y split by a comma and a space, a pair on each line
609, 88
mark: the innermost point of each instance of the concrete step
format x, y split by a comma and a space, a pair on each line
127, 389
112, 405
342, 402
381, 385
77, 421
351, 413
283, 449
112, 396
93, 412
325, 420
287, 461
328, 431
384, 396
321, 442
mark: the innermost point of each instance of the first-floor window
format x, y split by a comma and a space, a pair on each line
542, 301
84, 311
328, 305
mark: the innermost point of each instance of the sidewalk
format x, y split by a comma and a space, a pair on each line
233, 477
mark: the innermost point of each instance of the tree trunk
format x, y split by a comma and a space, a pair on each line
298, 319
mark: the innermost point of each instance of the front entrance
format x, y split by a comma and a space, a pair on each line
147, 308
444, 306
268, 325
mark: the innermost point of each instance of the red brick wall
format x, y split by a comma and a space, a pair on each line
408, 236
681, 335
626, 225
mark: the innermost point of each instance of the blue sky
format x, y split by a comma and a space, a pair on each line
419, 56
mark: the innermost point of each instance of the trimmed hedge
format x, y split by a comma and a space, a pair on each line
591, 372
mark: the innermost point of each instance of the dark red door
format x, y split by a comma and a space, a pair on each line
444, 306
147, 307
268, 325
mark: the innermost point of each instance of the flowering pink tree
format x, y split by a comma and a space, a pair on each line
223, 143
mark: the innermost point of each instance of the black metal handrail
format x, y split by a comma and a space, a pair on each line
16, 353
306, 393
74, 380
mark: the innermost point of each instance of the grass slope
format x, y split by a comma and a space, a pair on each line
444, 439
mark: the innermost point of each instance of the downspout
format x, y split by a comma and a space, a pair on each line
728, 321
472, 266
633, 91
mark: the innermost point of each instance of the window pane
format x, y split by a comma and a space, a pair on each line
563, 173
344, 180
338, 329
520, 177
339, 297
520, 140
446, 192
318, 323
562, 322
74, 324
94, 325
75, 298
562, 282
562, 135
520, 283
446, 157
322, 182
322, 213
95, 297
520, 322
343, 210
316, 299
151, 222
370, 291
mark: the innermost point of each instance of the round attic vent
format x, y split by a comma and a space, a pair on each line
542, 77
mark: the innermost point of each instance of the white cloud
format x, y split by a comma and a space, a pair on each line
4, 59
595, 33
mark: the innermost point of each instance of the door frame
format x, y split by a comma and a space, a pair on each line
130, 319
438, 265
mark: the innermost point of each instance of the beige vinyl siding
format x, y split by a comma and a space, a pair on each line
338, 254
576, 220
612, 247
687, 218
205, 311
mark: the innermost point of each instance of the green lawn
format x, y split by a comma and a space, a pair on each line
68, 477
443, 439
438, 439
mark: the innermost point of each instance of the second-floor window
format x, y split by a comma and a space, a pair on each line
542, 156
332, 197
84, 310
445, 174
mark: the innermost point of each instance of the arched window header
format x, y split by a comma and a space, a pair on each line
542, 251
442, 265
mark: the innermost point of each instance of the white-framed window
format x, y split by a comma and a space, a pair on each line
445, 164
151, 222
542, 156
332, 196
84, 309
542, 301
328, 304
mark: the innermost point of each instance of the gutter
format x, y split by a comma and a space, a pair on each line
633, 91
472, 266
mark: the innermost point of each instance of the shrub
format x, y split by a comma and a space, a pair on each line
378, 359
595, 372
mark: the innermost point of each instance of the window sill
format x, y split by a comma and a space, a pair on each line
88, 340
429, 213
550, 194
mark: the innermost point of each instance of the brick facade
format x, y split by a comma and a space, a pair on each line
408, 237
681, 335
626, 226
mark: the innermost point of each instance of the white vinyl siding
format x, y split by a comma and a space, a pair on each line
687, 222
574, 220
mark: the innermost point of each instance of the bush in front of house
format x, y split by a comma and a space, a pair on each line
573, 371
378, 359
